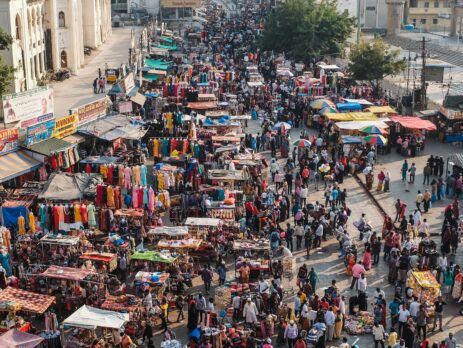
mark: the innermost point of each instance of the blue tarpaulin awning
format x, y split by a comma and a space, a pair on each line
348, 106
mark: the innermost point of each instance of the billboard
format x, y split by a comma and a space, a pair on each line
66, 126
8, 140
125, 107
129, 82
91, 111
35, 103
40, 132
180, 3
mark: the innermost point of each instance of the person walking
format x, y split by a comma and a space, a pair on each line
419, 200
404, 170
313, 278
378, 334
357, 271
438, 312
421, 322
206, 276
412, 172
95, 86
426, 174
330, 320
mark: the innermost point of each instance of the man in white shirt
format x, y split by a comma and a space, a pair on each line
264, 288
330, 319
404, 313
414, 307
362, 283
378, 292
342, 305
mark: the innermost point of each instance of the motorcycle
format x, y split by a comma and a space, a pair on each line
62, 74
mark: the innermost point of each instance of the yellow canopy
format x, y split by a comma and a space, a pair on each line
423, 279
352, 116
381, 110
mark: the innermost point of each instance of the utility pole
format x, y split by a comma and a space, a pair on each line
423, 73
408, 71
358, 21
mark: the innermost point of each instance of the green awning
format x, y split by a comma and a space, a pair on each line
167, 39
171, 48
152, 256
150, 77
50, 146
157, 64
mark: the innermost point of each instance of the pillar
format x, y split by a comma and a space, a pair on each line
395, 10
53, 19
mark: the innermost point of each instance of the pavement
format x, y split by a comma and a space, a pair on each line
78, 89
325, 260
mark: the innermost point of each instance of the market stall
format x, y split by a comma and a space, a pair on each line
88, 323
256, 256
17, 339
359, 324
99, 261
425, 287
200, 226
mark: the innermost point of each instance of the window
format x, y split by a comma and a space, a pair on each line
426, 5
18, 27
414, 20
413, 3
423, 20
64, 59
61, 20
436, 4
434, 21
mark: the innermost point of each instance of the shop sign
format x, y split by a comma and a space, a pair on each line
451, 114
66, 126
129, 82
40, 132
36, 120
8, 140
27, 105
180, 3
125, 107
91, 111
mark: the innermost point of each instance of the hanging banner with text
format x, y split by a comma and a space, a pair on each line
91, 111
40, 132
66, 126
8, 140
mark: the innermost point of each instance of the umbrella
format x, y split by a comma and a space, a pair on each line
375, 139
373, 130
319, 104
324, 168
285, 125
302, 143
328, 110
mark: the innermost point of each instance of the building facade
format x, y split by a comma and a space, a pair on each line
23, 20
430, 15
51, 34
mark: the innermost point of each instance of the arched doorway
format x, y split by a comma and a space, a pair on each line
64, 59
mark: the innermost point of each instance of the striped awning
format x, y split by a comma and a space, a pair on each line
17, 163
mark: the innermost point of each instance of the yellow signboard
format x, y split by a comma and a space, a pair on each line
66, 126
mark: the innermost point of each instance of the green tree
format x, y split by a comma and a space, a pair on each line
6, 71
306, 29
373, 61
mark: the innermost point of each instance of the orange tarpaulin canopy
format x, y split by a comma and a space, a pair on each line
413, 122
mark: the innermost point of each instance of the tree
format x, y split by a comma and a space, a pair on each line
6, 71
306, 29
373, 61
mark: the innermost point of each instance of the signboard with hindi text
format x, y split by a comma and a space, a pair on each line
8, 140
66, 126
34, 103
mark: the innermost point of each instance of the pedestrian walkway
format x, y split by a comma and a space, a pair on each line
78, 90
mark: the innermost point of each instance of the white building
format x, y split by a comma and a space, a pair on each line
51, 34
372, 12
23, 20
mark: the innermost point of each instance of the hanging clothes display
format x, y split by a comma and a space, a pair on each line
91, 215
21, 225
31, 222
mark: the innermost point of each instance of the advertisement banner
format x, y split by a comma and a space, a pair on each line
125, 107
8, 140
180, 3
66, 126
91, 111
40, 132
36, 120
31, 104
129, 82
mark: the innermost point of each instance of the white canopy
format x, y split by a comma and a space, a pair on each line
90, 318
191, 221
170, 231
360, 101
356, 125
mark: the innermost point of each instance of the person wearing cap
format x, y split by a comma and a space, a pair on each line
291, 333
268, 343
250, 312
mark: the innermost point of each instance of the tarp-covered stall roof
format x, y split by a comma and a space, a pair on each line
192, 221
17, 163
68, 186
18, 339
381, 110
68, 273
169, 231
90, 318
413, 122
28, 301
